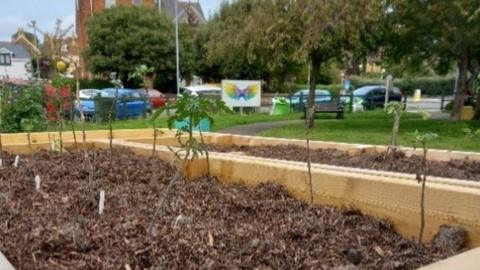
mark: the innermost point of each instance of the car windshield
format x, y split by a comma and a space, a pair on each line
363, 90
88, 94
317, 93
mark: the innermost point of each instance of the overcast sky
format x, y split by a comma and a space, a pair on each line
18, 13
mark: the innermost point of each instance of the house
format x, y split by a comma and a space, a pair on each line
189, 12
14, 61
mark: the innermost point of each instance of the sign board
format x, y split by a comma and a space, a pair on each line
237, 93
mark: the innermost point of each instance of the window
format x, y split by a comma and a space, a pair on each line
5, 59
110, 3
137, 2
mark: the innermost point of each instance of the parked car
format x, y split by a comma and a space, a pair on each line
130, 102
87, 101
88, 93
203, 90
157, 98
373, 96
299, 98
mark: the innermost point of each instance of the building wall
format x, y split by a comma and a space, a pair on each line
17, 70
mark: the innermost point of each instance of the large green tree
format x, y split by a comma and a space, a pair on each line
437, 32
319, 31
122, 38
233, 45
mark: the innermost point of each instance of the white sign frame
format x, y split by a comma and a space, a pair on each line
243, 96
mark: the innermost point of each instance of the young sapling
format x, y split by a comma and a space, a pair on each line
190, 110
118, 84
421, 139
394, 108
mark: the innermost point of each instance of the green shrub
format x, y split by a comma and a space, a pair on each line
431, 86
95, 84
22, 106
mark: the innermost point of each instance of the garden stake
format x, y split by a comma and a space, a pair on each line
101, 202
17, 160
37, 182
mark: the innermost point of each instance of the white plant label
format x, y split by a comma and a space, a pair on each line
52, 145
101, 203
37, 182
17, 160
1, 162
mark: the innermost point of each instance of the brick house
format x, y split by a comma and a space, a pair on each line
189, 12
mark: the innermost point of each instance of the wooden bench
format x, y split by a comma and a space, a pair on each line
330, 107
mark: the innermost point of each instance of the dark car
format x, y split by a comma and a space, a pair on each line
300, 98
373, 96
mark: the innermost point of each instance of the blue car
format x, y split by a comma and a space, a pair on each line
131, 103
299, 98
87, 101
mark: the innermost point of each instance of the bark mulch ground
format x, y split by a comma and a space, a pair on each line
204, 225
459, 169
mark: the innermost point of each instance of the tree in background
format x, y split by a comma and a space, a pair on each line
233, 45
436, 33
123, 38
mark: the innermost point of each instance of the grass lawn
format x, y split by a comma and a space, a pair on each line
375, 128
221, 121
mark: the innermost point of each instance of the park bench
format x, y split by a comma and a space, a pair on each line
330, 107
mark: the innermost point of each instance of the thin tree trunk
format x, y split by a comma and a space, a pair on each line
206, 151
310, 115
110, 119
309, 163
154, 146
461, 89
477, 106
29, 138
422, 199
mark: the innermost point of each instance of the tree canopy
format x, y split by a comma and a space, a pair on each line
437, 33
122, 38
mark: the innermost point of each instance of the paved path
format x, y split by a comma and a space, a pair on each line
253, 129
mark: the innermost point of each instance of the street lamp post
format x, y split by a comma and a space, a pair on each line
177, 47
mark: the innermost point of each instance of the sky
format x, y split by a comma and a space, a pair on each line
18, 13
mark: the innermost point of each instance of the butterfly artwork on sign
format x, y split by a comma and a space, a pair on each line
247, 93
241, 93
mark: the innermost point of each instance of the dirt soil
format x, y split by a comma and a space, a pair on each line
459, 169
204, 225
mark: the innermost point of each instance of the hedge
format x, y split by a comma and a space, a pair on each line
95, 84
431, 86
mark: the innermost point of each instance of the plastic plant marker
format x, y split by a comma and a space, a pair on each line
17, 160
37, 182
101, 203
1, 162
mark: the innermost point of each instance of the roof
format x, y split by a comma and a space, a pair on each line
17, 50
169, 7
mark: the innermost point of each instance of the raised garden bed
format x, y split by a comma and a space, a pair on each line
458, 169
204, 225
